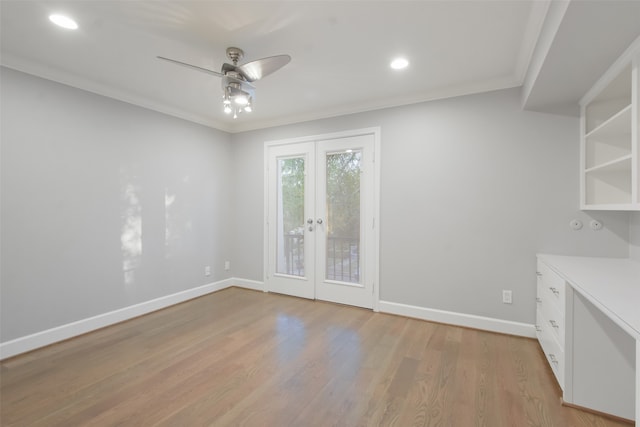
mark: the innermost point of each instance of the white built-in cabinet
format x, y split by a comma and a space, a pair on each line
550, 315
588, 326
610, 154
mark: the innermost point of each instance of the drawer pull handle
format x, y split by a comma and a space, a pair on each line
554, 323
555, 291
553, 359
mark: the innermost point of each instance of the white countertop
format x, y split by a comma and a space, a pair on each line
611, 284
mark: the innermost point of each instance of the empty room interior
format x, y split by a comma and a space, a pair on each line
313, 213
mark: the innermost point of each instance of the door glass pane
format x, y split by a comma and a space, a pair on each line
343, 216
290, 217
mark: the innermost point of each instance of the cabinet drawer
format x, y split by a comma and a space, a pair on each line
554, 319
539, 289
553, 352
551, 286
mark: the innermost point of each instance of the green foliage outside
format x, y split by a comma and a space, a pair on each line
343, 194
292, 176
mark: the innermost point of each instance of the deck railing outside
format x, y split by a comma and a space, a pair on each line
342, 261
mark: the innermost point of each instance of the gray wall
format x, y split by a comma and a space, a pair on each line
104, 204
634, 236
471, 189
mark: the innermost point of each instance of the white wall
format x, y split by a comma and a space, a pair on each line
104, 204
471, 189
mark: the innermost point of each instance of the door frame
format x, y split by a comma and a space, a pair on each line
375, 234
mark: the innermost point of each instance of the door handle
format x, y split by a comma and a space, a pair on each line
310, 221
319, 221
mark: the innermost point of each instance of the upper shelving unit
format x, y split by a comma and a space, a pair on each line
609, 155
614, 98
610, 140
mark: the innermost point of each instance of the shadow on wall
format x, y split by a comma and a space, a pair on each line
605, 220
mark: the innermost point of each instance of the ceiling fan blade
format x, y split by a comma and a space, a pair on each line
260, 68
195, 67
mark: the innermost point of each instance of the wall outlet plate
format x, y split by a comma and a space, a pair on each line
207, 270
507, 296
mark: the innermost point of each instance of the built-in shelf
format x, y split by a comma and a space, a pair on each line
609, 183
609, 138
621, 164
610, 207
611, 99
616, 125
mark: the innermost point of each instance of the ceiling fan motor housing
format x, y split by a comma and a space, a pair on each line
235, 54
235, 87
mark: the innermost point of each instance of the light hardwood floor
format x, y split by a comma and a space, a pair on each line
245, 358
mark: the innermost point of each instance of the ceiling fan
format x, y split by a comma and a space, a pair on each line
238, 92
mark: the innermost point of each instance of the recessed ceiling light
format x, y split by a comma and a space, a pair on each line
399, 63
63, 21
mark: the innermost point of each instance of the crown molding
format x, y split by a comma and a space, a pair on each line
88, 85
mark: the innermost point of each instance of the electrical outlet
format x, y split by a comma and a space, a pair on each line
507, 296
207, 270
227, 265
595, 225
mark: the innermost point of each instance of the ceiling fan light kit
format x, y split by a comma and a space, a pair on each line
238, 94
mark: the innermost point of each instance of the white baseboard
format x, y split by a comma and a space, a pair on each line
60, 333
459, 319
70, 330
248, 284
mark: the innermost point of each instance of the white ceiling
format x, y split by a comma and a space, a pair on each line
341, 52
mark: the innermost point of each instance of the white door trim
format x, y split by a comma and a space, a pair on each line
375, 131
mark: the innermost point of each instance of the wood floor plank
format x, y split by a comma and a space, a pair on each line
141, 361
239, 357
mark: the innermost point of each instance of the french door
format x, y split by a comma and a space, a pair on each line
320, 219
